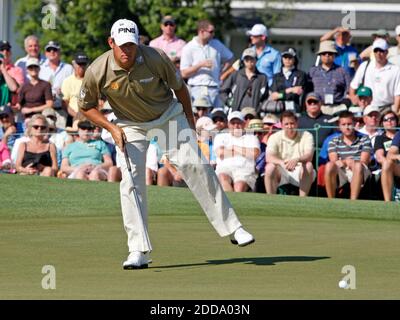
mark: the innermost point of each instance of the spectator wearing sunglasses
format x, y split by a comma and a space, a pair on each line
381, 76
56, 71
37, 156
330, 81
168, 41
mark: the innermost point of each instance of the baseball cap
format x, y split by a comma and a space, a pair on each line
381, 33
364, 92
235, 115
313, 95
370, 109
255, 125
248, 110
205, 123
289, 52
397, 30
52, 44
86, 124
81, 58
202, 102
166, 19
218, 114
249, 52
270, 118
32, 62
124, 31
5, 45
357, 111
5, 110
258, 30
49, 112
380, 44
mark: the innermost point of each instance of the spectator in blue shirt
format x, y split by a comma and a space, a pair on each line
347, 56
268, 58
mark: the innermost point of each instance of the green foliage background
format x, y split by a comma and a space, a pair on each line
85, 24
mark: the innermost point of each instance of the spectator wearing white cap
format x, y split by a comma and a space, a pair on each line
381, 76
56, 71
289, 157
236, 154
394, 52
32, 48
368, 53
247, 86
35, 95
268, 58
203, 59
371, 117
168, 41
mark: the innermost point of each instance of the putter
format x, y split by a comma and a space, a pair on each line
135, 192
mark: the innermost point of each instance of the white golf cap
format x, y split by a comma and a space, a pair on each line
32, 62
235, 115
124, 31
397, 30
380, 44
258, 30
370, 109
205, 123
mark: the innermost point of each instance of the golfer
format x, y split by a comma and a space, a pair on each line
137, 82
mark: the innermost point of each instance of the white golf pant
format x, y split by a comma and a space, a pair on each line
179, 144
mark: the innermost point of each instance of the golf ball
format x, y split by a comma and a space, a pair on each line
342, 284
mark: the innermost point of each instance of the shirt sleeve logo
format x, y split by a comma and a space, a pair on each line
114, 86
82, 93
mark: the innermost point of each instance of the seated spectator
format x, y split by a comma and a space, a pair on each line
71, 86
236, 153
270, 125
247, 86
289, 157
5, 158
314, 118
389, 121
204, 128
371, 123
202, 106
86, 158
8, 126
330, 81
248, 113
220, 119
382, 77
391, 167
289, 84
349, 156
364, 95
35, 95
37, 156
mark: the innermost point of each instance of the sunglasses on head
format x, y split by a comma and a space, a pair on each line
166, 24
36, 127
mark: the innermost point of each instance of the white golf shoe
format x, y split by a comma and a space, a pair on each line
137, 260
241, 237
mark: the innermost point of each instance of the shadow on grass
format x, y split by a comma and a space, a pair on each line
258, 261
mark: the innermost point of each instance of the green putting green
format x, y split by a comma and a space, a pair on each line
300, 249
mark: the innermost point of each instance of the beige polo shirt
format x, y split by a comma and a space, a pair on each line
284, 148
141, 94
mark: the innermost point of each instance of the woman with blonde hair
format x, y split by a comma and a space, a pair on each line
37, 156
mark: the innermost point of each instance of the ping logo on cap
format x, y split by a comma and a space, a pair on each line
130, 30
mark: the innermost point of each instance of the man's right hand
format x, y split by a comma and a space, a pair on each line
118, 136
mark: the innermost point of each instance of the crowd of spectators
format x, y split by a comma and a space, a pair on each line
261, 122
